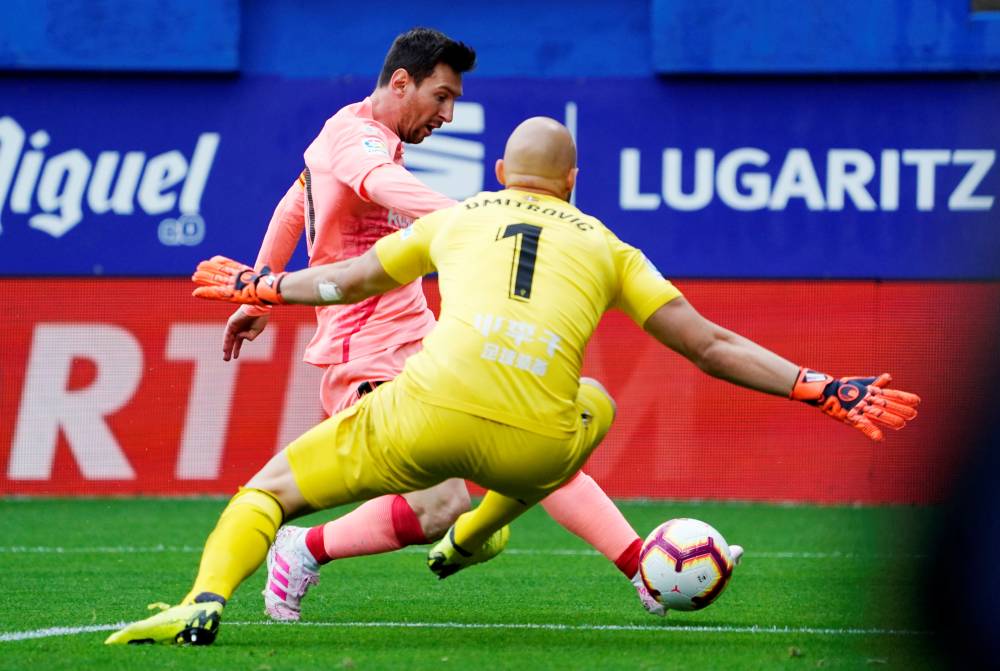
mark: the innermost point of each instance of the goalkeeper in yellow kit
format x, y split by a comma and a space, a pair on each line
495, 395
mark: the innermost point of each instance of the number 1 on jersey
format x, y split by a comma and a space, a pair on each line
522, 269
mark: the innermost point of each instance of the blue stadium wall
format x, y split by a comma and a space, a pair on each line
558, 38
845, 151
168, 129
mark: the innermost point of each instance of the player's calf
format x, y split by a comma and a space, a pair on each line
437, 508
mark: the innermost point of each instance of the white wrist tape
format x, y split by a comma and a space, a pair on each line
329, 291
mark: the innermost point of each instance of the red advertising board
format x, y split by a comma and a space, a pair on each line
118, 387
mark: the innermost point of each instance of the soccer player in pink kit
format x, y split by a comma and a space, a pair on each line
353, 191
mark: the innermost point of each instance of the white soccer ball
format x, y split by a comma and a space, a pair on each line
685, 564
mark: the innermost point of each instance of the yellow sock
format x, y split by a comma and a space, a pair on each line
474, 527
238, 544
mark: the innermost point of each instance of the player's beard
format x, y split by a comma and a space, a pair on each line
417, 135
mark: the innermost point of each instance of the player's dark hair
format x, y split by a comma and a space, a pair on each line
419, 50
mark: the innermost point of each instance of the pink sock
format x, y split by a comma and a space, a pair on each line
380, 525
583, 508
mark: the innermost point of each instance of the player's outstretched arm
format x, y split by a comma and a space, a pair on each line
347, 281
863, 402
395, 188
720, 352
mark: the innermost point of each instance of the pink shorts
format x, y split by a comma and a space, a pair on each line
339, 388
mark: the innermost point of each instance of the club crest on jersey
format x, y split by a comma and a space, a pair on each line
374, 145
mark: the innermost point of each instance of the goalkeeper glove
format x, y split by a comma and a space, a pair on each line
862, 402
223, 279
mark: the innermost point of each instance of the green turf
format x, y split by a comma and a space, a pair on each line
849, 574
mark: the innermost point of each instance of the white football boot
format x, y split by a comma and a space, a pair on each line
736, 552
653, 606
291, 571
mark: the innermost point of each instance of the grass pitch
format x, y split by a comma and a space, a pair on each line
833, 588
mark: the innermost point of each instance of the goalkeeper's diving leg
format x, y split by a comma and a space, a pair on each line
234, 550
476, 536
349, 457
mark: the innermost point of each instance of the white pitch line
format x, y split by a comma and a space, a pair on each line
56, 631
190, 549
50, 632
100, 549
682, 629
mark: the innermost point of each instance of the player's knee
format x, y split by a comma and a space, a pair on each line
286, 494
591, 382
277, 480
438, 508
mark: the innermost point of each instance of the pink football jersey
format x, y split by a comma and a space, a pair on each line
342, 220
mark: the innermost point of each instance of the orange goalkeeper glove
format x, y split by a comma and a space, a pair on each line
222, 279
862, 402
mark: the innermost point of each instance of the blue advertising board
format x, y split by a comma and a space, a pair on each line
720, 178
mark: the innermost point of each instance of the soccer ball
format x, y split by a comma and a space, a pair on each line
685, 564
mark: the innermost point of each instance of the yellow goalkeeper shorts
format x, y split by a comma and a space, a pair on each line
390, 442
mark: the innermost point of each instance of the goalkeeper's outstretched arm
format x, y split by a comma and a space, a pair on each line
863, 402
347, 281
720, 352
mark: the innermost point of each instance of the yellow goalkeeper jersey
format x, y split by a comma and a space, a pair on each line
524, 280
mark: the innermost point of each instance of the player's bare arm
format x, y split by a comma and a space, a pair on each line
720, 352
862, 402
346, 281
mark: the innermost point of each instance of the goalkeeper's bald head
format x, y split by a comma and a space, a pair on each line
540, 155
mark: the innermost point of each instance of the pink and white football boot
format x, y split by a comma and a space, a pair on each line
648, 602
291, 571
736, 552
